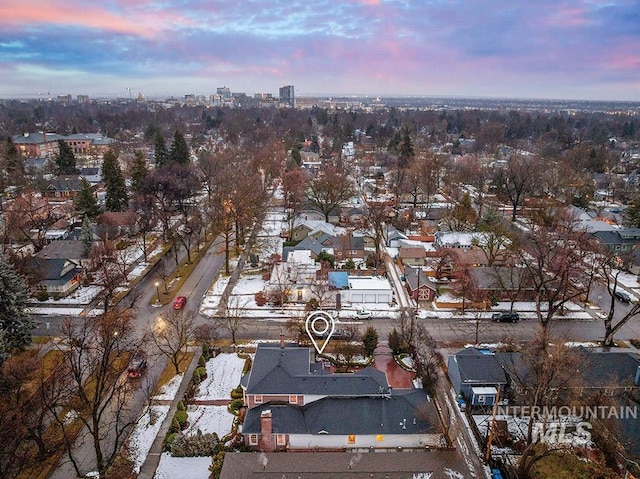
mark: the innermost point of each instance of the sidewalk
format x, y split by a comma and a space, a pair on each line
148, 468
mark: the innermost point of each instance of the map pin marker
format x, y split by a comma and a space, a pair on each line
320, 326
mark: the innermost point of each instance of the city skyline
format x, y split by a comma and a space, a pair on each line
586, 49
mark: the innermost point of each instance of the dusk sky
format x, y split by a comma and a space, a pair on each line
577, 49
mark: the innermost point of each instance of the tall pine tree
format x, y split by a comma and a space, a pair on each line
66, 160
86, 203
179, 152
161, 154
16, 325
138, 172
116, 197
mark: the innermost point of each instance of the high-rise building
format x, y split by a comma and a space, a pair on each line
287, 96
224, 92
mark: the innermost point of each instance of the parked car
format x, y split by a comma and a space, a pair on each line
179, 302
137, 367
622, 296
363, 314
505, 317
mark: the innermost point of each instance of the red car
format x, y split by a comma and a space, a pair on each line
179, 302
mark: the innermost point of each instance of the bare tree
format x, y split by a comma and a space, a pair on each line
543, 376
234, 313
96, 394
551, 254
608, 266
172, 334
515, 181
329, 190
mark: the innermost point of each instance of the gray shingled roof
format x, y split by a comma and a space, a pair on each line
288, 370
342, 465
403, 412
475, 366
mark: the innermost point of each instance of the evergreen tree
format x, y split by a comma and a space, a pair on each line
370, 340
179, 152
161, 154
86, 203
86, 234
16, 325
66, 160
631, 216
116, 197
139, 172
14, 164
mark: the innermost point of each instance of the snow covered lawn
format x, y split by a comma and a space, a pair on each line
180, 467
145, 433
169, 390
223, 375
209, 419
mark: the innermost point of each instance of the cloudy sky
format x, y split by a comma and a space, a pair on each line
574, 49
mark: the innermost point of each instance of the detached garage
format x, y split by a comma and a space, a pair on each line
368, 289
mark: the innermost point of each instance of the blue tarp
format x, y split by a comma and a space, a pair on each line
339, 279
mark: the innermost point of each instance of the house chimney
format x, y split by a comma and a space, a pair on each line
281, 341
266, 435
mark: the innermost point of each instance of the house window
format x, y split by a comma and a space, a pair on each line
293, 399
481, 399
280, 440
258, 398
299, 295
253, 439
352, 438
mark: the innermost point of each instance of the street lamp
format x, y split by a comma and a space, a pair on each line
157, 283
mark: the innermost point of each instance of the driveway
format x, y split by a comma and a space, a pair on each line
397, 377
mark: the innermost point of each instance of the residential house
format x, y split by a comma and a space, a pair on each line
502, 283
419, 286
114, 224
477, 376
295, 403
63, 187
454, 239
294, 277
412, 255
59, 266
342, 247
623, 242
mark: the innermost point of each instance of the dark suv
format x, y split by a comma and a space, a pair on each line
505, 317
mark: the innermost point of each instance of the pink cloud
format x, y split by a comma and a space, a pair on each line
566, 16
66, 13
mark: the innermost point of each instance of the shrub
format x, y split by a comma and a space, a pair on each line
260, 298
169, 441
182, 417
394, 341
237, 393
202, 372
312, 305
194, 445
180, 406
216, 467
206, 351
235, 404
202, 362
56, 296
42, 295
175, 426
195, 378
370, 340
